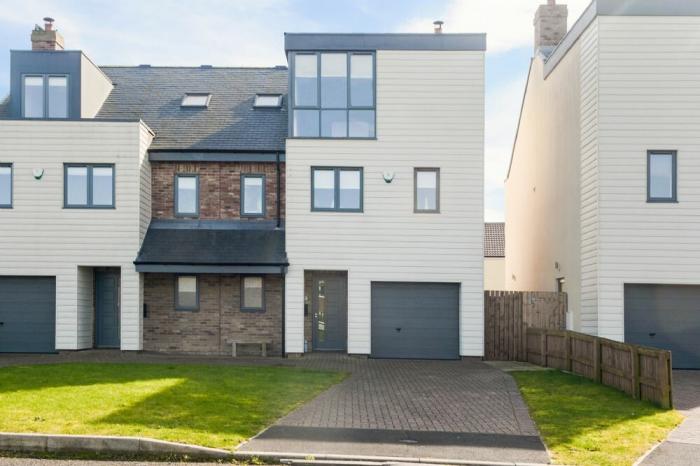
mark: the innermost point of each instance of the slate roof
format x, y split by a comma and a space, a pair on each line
494, 240
154, 94
213, 243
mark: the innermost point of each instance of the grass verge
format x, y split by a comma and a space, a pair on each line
214, 406
584, 423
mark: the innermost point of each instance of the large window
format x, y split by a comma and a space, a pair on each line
661, 176
88, 186
427, 190
252, 195
187, 195
333, 95
252, 294
186, 293
336, 189
45, 96
5, 186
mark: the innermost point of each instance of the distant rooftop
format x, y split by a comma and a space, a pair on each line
360, 42
494, 240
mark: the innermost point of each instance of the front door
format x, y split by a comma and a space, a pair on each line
329, 301
106, 309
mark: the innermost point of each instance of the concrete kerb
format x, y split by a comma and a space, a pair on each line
356, 460
104, 444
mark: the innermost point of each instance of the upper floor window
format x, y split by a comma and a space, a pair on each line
187, 195
427, 189
252, 195
336, 189
88, 186
661, 176
45, 96
5, 185
333, 95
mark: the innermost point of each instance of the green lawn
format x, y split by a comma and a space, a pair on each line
583, 423
216, 406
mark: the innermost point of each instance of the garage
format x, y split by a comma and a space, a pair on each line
665, 316
415, 320
27, 314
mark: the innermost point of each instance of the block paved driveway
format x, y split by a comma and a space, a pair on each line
396, 408
682, 447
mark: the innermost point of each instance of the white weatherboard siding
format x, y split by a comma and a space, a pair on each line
430, 113
39, 237
649, 98
542, 195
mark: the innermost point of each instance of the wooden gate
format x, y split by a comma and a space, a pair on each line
508, 313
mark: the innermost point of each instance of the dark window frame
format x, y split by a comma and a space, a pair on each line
176, 196
89, 204
674, 177
435, 170
12, 187
292, 107
244, 308
264, 193
336, 189
176, 288
45, 94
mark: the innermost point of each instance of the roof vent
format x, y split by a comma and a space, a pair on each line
438, 26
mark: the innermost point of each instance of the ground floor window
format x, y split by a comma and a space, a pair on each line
252, 294
186, 293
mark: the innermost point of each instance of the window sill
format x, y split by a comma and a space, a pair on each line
339, 211
82, 207
252, 310
662, 201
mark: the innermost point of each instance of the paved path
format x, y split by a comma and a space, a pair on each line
682, 446
439, 409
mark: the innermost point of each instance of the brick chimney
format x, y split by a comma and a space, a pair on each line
550, 24
47, 38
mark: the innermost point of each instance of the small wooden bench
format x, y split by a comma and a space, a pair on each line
263, 346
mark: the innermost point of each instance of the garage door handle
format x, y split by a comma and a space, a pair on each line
652, 334
398, 329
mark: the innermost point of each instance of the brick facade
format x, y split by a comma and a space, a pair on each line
218, 320
219, 188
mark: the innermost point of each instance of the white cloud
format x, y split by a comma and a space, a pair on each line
507, 23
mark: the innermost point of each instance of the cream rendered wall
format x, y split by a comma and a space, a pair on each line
39, 237
494, 273
430, 113
648, 99
95, 86
542, 188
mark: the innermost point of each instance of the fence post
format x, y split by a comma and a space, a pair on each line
636, 389
567, 349
597, 372
543, 347
664, 382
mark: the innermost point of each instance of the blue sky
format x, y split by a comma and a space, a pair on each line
250, 33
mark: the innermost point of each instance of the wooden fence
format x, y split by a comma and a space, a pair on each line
642, 372
507, 313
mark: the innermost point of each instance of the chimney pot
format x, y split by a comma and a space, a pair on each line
438, 26
550, 24
47, 38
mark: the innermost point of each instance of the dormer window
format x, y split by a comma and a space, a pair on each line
268, 100
200, 100
45, 96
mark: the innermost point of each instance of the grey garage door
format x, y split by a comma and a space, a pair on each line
415, 320
27, 314
665, 316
